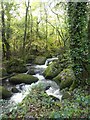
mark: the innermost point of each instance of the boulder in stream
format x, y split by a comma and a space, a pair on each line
65, 78
52, 70
4, 93
15, 90
23, 78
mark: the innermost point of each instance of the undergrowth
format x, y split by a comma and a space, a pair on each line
39, 105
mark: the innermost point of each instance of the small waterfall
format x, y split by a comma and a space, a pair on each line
53, 90
50, 60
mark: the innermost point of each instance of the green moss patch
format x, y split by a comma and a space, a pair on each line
40, 60
67, 78
23, 78
4, 93
52, 70
3, 72
16, 66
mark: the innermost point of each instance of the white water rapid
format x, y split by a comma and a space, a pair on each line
53, 90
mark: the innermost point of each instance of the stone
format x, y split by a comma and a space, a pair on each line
23, 78
52, 70
15, 90
31, 71
4, 93
65, 78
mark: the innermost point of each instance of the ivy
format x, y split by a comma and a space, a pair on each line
77, 13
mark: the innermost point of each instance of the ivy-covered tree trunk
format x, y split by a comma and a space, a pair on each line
77, 13
89, 36
3, 31
8, 29
5, 43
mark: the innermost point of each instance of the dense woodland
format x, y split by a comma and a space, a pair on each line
33, 31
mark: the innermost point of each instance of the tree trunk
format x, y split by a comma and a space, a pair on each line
77, 13
8, 33
4, 41
25, 30
46, 30
3, 31
89, 35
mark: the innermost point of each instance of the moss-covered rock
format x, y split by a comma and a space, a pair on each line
4, 93
52, 70
57, 79
74, 85
23, 78
16, 66
66, 95
40, 60
67, 78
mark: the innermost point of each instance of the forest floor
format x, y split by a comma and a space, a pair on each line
39, 105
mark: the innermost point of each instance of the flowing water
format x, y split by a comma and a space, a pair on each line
25, 89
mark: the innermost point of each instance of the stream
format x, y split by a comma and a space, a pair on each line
25, 88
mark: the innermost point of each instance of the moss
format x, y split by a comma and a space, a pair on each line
40, 60
23, 78
3, 72
52, 70
30, 58
4, 93
66, 95
16, 66
67, 78
74, 85
31, 71
57, 79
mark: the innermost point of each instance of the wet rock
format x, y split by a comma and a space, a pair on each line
21, 86
47, 87
23, 78
4, 93
15, 90
31, 71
